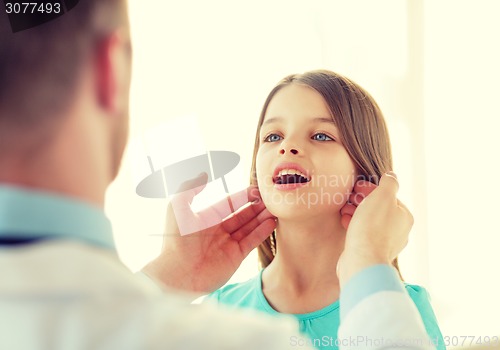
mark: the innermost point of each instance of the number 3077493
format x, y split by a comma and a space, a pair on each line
32, 7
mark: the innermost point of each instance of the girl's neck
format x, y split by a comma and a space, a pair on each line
305, 263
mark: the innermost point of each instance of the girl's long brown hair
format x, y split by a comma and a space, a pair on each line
361, 127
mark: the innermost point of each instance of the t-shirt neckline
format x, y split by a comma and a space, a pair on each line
302, 317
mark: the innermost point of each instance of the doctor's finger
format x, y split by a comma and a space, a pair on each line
254, 211
348, 209
188, 190
364, 187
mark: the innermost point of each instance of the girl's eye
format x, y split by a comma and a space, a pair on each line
272, 138
321, 137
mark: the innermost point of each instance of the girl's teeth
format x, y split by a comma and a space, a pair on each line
290, 172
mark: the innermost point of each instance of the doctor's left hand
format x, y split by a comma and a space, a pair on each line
201, 251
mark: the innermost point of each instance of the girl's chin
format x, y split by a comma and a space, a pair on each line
305, 196
295, 204
303, 212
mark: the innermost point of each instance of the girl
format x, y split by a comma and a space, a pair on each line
318, 135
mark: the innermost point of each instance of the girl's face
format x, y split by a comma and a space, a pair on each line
302, 167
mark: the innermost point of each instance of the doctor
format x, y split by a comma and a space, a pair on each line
64, 88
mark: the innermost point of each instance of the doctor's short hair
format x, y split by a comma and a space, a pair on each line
39, 66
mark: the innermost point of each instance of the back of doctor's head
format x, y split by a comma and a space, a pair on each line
39, 66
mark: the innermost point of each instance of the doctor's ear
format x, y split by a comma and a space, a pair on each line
112, 70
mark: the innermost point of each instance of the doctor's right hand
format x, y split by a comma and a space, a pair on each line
378, 230
201, 251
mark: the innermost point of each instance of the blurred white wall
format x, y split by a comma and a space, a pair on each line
462, 142
431, 65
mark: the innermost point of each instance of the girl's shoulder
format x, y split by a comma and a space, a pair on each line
417, 293
422, 300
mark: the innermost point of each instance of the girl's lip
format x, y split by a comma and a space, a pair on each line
289, 187
289, 165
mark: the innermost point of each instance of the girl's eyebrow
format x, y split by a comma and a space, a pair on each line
324, 120
272, 120
317, 120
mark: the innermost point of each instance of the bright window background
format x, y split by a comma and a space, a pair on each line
431, 65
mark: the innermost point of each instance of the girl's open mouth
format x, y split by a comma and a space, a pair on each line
288, 179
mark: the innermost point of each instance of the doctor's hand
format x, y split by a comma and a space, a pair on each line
378, 227
362, 188
201, 251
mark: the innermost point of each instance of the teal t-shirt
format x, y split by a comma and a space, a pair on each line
320, 326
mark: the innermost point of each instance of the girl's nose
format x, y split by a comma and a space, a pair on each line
291, 146
290, 150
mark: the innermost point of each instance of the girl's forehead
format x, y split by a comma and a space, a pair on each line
297, 101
